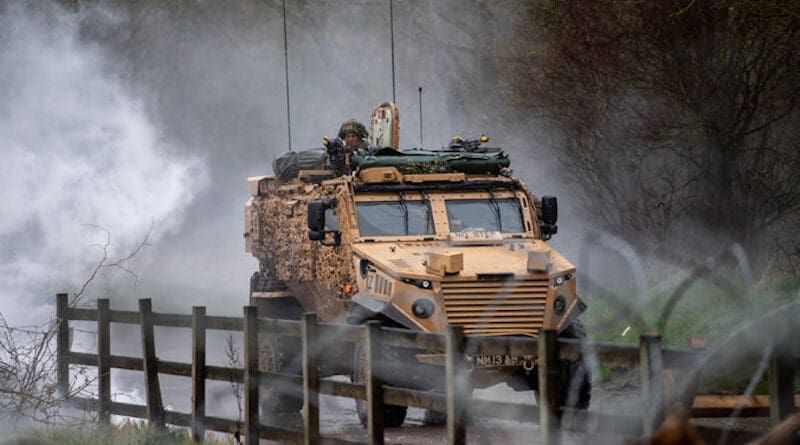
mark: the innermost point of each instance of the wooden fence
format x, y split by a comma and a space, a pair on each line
458, 405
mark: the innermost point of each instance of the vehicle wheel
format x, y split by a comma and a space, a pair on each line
576, 387
275, 357
393, 416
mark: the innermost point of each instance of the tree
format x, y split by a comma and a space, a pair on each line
28, 358
677, 112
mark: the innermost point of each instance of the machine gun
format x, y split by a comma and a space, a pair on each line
468, 145
337, 155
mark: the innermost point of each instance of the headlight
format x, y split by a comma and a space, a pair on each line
559, 305
561, 279
422, 308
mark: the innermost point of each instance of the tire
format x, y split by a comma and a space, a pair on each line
393, 416
576, 386
525, 381
275, 356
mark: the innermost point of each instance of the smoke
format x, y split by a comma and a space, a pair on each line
211, 76
78, 152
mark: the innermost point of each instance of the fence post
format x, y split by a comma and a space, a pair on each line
373, 347
103, 360
62, 346
155, 409
310, 378
549, 387
781, 387
251, 422
198, 373
456, 385
651, 370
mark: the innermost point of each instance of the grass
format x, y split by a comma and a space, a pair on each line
705, 310
126, 433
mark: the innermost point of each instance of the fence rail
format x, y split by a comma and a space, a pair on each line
649, 356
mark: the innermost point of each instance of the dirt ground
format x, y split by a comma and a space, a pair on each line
338, 419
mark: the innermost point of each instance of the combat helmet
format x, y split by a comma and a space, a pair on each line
353, 126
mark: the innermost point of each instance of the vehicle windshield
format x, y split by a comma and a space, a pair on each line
485, 215
394, 218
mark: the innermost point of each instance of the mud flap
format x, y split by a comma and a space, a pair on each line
284, 308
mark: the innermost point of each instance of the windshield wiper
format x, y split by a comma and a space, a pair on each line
429, 210
518, 206
404, 211
496, 209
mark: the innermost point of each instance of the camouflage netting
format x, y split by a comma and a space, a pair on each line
311, 271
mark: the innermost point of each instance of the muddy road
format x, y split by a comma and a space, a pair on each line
338, 419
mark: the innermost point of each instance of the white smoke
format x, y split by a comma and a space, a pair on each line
75, 150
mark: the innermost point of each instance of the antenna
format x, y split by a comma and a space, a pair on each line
391, 31
421, 145
286, 67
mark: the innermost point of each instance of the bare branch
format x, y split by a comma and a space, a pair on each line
28, 358
106, 263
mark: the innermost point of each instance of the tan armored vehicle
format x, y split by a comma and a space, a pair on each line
417, 239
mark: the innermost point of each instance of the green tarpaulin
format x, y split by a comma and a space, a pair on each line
433, 162
288, 165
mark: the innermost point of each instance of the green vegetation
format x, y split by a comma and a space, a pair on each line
706, 311
126, 433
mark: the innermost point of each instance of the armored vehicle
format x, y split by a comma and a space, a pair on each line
417, 239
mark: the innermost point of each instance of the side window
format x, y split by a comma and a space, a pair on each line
331, 222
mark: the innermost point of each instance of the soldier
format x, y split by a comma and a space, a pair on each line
353, 133
351, 138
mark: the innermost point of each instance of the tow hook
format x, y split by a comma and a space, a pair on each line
527, 365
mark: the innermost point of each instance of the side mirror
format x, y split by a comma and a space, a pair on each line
316, 215
549, 210
549, 217
316, 222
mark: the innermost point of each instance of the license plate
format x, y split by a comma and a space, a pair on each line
493, 361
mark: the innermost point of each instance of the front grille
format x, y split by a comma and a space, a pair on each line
504, 307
